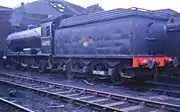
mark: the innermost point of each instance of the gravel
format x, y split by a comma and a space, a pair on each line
36, 102
98, 85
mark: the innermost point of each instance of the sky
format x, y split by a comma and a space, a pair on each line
112, 4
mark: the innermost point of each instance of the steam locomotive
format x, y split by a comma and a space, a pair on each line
116, 44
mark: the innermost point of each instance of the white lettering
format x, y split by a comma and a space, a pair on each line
46, 43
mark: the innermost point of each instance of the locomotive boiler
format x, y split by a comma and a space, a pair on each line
116, 44
19, 41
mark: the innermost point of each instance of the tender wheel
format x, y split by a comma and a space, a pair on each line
69, 73
42, 66
89, 76
116, 78
6, 64
175, 72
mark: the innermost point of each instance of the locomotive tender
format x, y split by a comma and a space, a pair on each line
120, 43
173, 32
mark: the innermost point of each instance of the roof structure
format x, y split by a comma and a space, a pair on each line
52, 7
77, 10
5, 27
94, 8
167, 11
42, 10
2, 8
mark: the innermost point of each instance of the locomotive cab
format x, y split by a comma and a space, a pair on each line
46, 37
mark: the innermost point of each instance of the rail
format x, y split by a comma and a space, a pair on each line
19, 107
97, 99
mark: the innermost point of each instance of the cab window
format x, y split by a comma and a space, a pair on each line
47, 31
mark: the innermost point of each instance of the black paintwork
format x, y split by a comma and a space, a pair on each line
117, 33
173, 28
114, 32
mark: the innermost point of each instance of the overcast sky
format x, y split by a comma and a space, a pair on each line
111, 4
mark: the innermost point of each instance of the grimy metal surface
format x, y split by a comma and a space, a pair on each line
20, 108
30, 38
93, 98
173, 33
114, 32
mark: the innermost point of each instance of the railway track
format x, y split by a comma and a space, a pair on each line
87, 97
162, 84
148, 86
14, 107
170, 91
161, 88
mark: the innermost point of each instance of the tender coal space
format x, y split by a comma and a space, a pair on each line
35, 101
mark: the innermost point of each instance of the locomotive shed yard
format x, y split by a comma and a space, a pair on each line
99, 99
60, 57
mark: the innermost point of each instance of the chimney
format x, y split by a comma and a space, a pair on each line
22, 4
